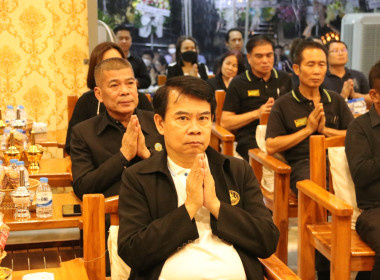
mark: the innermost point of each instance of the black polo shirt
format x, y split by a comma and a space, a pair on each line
335, 83
247, 92
290, 112
363, 156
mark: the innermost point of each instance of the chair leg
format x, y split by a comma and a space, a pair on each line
281, 214
340, 248
306, 252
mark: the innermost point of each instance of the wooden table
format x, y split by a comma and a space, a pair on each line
56, 138
56, 221
73, 269
57, 170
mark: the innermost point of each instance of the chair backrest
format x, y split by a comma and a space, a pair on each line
94, 247
220, 96
149, 97
340, 181
95, 206
318, 149
71, 102
161, 80
264, 118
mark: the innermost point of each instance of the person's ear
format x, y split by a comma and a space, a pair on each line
98, 94
373, 95
296, 69
160, 123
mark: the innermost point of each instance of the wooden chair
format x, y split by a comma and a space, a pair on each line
279, 201
94, 208
220, 96
149, 97
220, 135
161, 80
335, 239
71, 101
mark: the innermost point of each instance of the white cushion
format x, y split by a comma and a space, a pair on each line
119, 269
344, 187
267, 181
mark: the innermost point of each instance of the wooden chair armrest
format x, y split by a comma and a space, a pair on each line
269, 161
324, 198
275, 269
222, 133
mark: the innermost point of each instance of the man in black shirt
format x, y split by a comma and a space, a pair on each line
253, 92
306, 110
363, 156
348, 82
124, 40
234, 42
103, 146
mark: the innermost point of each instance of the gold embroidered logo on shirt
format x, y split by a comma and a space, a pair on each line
234, 197
158, 147
300, 122
254, 92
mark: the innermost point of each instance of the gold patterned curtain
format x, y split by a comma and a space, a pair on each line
42, 47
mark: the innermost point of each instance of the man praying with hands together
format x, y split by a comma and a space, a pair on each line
103, 146
190, 212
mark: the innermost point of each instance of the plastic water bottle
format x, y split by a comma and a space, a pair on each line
1, 167
22, 113
25, 139
350, 104
360, 106
44, 197
10, 114
21, 166
13, 164
3, 139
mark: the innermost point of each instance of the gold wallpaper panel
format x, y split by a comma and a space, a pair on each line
42, 47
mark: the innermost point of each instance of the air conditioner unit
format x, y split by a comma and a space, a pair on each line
361, 33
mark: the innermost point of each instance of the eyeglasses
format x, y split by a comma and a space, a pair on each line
338, 50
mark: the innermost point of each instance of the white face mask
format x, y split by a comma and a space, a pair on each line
147, 62
171, 50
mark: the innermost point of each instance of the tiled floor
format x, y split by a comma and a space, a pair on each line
292, 247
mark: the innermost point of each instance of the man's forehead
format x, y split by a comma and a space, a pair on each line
336, 45
176, 97
123, 33
120, 74
313, 55
262, 49
235, 35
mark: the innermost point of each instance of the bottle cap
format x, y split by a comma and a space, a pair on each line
9, 107
20, 162
1, 162
20, 106
44, 180
13, 160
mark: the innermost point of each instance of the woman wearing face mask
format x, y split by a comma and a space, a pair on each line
187, 60
147, 57
232, 63
170, 58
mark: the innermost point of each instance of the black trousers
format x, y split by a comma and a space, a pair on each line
368, 228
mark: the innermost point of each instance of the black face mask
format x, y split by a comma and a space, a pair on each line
190, 56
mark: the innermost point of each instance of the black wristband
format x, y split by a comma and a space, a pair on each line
123, 160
